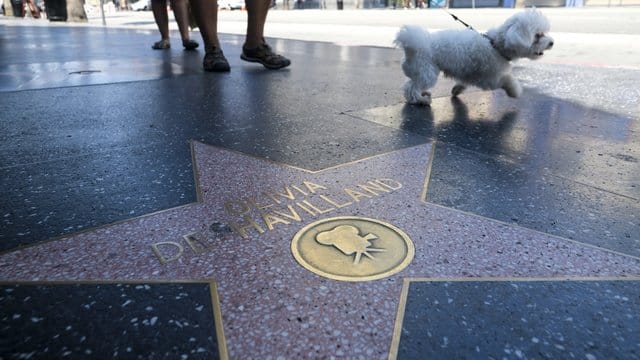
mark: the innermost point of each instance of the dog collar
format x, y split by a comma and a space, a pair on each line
493, 45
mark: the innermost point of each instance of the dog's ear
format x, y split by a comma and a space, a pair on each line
518, 36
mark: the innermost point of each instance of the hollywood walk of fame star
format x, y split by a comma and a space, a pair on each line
271, 305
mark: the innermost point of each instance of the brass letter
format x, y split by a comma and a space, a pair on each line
198, 246
371, 186
299, 190
327, 199
241, 228
256, 205
293, 214
384, 182
164, 260
272, 197
356, 195
306, 209
229, 206
312, 187
269, 220
287, 194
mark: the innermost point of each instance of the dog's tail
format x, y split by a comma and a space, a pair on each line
413, 40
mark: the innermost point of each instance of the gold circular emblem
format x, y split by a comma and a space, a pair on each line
352, 248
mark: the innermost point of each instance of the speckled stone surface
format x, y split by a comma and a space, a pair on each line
270, 304
521, 319
109, 320
151, 174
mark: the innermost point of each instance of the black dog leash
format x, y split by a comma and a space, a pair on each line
455, 18
460, 21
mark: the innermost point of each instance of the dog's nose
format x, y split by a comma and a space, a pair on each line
550, 45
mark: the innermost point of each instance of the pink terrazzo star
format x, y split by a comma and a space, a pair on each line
240, 235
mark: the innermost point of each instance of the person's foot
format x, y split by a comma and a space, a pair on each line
190, 44
161, 45
264, 55
214, 60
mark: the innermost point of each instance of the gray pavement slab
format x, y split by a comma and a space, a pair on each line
117, 320
514, 319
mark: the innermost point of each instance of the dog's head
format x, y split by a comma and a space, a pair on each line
524, 34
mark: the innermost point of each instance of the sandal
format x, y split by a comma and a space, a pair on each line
214, 60
161, 45
265, 56
190, 44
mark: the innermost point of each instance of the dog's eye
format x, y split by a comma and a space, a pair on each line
538, 37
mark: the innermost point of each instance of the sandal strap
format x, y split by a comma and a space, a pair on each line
214, 59
190, 44
270, 55
266, 56
161, 45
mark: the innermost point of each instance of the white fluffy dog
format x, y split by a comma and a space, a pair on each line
469, 57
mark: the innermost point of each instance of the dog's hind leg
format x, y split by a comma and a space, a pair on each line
457, 90
511, 86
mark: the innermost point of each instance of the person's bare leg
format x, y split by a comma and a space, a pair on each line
181, 13
159, 9
206, 14
255, 49
257, 17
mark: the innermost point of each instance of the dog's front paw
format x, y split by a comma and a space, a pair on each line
457, 90
424, 99
515, 91
511, 86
